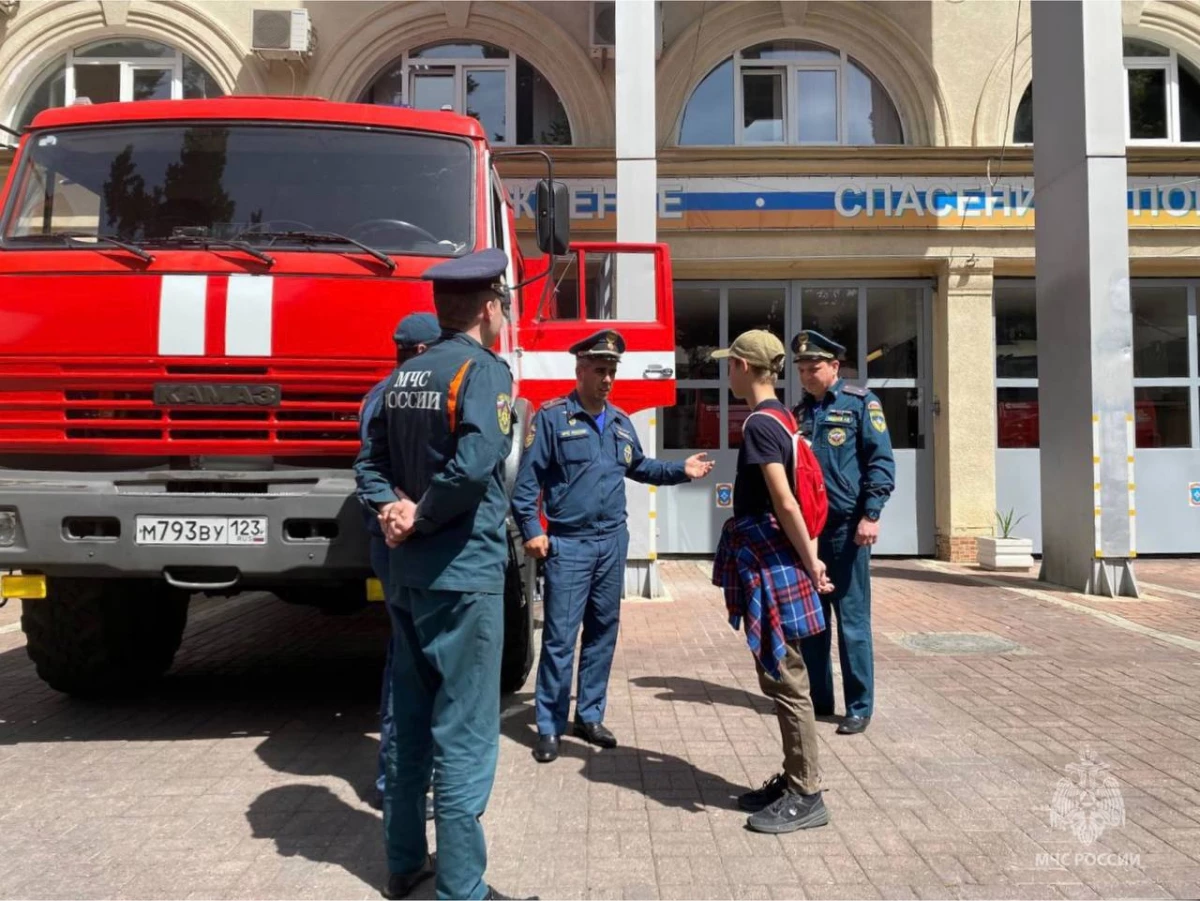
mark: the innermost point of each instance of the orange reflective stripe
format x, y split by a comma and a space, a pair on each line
452, 399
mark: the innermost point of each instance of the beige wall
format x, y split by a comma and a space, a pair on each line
946, 97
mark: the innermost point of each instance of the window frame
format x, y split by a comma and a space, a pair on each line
127, 64
412, 65
789, 70
1191, 381
1169, 63
1170, 66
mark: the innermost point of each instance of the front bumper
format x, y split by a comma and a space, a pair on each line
315, 527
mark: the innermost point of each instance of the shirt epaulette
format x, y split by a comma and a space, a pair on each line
855, 390
618, 410
554, 402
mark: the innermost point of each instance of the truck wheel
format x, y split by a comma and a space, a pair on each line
91, 638
518, 629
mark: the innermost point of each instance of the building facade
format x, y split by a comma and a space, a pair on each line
860, 168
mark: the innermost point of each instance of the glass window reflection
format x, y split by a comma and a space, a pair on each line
1160, 341
1016, 331
893, 330
1164, 416
694, 421
833, 312
697, 331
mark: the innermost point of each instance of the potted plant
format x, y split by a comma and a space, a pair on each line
1005, 551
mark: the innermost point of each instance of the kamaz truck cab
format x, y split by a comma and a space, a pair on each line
195, 296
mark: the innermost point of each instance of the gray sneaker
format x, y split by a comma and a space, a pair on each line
791, 812
772, 790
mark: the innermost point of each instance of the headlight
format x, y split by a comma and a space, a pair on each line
8, 528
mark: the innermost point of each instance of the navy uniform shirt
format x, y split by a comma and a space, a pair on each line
581, 471
850, 440
441, 435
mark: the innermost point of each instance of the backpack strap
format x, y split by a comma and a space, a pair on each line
780, 416
454, 392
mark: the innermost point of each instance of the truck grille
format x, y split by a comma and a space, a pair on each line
107, 406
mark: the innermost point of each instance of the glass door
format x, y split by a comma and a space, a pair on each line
885, 328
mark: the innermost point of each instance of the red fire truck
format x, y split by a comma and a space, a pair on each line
195, 296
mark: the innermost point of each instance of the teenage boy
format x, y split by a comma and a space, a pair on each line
768, 566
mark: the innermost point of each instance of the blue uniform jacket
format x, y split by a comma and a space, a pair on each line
441, 435
370, 406
850, 440
581, 471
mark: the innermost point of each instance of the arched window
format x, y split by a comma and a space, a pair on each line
790, 92
120, 70
511, 99
1162, 98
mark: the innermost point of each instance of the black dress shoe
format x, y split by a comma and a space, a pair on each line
494, 895
853, 725
400, 885
595, 734
546, 749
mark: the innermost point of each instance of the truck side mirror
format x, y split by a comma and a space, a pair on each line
553, 217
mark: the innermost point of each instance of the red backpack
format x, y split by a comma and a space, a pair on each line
807, 482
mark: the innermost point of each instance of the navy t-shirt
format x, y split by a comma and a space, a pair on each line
763, 441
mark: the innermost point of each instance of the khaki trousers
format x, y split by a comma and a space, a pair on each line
797, 723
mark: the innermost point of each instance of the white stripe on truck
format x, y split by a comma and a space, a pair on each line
638, 365
248, 319
181, 312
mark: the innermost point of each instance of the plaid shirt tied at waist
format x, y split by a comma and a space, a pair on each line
765, 582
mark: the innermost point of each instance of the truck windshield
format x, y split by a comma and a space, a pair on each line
400, 192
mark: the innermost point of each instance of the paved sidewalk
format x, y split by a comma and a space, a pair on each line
245, 774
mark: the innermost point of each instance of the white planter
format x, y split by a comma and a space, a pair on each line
1005, 553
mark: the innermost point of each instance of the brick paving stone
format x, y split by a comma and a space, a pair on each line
245, 774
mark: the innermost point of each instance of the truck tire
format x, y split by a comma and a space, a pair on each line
91, 638
518, 628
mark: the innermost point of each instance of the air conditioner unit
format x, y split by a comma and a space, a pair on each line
603, 34
282, 33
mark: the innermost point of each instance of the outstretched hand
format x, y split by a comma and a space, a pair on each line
697, 466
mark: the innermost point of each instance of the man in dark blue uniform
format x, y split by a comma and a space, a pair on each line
432, 468
849, 436
413, 335
578, 454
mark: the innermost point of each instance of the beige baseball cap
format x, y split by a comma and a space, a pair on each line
758, 348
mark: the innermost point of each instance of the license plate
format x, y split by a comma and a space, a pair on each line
202, 530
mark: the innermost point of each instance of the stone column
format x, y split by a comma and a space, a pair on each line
637, 179
1085, 331
964, 388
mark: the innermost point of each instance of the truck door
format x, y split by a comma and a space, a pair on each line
594, 287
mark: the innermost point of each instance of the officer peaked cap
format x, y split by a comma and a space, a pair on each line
474, 272
810, 345
607, 344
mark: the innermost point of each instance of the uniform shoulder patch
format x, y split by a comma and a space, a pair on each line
504, 413
855, 390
